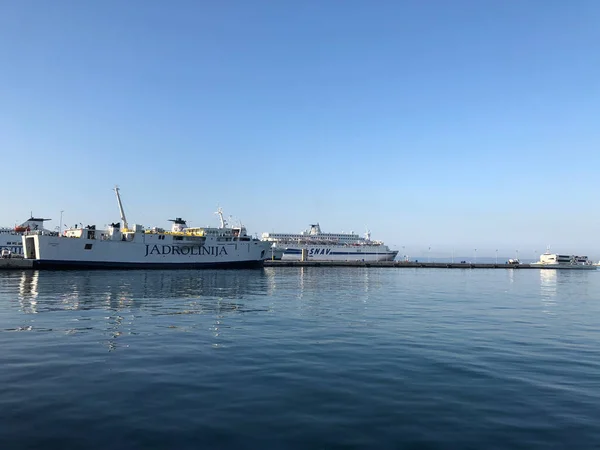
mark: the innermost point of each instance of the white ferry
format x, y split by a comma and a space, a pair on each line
555, 261
10, 238
314, 245
122, 247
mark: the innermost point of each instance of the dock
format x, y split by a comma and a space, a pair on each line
15, 263
24, 264
397, 264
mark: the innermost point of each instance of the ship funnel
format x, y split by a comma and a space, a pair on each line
315, 228
178, 224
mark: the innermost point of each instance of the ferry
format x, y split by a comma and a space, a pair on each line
314, 245
11, 243
555, 261
122, 247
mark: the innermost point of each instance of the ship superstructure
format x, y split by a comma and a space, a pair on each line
10, 237
556, 261
313, 244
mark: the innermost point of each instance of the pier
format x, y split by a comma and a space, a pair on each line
23, 264
15, 263
397, 264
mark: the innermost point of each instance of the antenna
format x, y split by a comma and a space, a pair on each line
123, 218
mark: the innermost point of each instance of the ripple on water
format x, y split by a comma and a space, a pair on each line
300, 358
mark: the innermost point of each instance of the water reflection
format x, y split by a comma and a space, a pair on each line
204, 291
552, 279
511, 275
548, 279
302, 275
28, 291
312, 285
115, 330
548, 282
555, 283
117, 303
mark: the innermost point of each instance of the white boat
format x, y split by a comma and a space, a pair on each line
11, 243
122, 247
555, 261
314, 245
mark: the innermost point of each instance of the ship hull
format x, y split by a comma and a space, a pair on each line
564, 266
90, 265
144, 252
338, 253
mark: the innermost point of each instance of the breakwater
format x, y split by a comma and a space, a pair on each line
20, 264
398, 264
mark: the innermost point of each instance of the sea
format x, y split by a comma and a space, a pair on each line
300, 358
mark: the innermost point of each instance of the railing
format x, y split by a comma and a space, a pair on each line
40, 233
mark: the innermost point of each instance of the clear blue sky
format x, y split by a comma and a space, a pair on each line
450, 124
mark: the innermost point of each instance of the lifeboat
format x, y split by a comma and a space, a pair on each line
22, 229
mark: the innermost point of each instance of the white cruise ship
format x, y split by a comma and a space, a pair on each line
314, 245
122, 247
555, 261
10, 238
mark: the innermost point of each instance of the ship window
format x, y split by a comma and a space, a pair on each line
88, 246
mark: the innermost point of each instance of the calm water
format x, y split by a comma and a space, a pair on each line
300, 358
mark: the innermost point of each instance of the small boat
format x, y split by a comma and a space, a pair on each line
557, 261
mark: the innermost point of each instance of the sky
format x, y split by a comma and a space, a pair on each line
455, 125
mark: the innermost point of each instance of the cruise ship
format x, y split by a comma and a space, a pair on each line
122, 247
10, 237
314, 245
555, 261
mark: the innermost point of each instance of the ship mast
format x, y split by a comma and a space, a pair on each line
219, 212
123, 218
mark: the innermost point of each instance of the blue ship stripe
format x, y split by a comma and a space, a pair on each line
298, 252
362, 253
